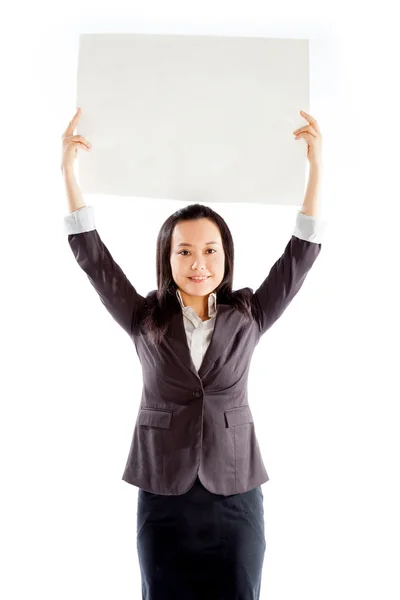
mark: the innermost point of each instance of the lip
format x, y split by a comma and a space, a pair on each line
200, 280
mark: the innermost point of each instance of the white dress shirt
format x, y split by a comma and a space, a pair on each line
198, 332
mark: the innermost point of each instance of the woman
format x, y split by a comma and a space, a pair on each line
194, 454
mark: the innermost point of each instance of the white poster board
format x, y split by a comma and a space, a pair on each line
196, 118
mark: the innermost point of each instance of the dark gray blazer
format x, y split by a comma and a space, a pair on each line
193, 422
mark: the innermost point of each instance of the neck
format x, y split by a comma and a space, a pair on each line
198, 303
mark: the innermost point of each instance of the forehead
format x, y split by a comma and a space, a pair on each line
196, 231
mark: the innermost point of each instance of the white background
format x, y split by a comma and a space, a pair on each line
324, 388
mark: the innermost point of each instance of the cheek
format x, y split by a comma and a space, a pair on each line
220, 261
216, 263
174, 264
178, 267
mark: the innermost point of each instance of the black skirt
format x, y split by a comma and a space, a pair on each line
201, 545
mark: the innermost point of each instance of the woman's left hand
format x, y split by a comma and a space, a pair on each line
311, 133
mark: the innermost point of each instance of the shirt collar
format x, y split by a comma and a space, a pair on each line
212, 304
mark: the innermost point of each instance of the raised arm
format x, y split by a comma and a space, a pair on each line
117, 294
111, 284
289, 272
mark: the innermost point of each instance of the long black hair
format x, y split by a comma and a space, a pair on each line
165, 302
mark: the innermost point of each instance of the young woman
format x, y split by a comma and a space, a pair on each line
194, 454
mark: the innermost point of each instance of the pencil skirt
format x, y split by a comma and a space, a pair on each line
201, 545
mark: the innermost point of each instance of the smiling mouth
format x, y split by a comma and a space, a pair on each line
199, 278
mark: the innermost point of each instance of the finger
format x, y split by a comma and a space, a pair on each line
80, 145
73, 123
80, 138
310, 119
76, 145
308, 128
308, 137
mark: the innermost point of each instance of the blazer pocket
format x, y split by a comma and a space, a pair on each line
238, 416
152, 417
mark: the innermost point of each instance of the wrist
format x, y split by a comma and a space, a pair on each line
316, 167
67, 171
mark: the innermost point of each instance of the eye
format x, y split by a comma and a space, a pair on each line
212, 249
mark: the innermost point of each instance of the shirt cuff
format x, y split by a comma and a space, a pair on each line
310, 229
79, 221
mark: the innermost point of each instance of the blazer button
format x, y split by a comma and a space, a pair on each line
197, 393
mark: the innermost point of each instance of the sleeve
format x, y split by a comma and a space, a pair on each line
115, 291
289, 272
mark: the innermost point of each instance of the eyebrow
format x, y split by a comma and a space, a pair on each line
206, 244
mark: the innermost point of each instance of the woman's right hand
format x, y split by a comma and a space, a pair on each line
71, 143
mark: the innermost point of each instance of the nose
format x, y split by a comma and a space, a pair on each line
199, 263
198, 267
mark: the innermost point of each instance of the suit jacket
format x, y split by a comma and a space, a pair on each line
193, 422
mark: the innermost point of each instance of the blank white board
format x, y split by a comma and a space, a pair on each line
196, 118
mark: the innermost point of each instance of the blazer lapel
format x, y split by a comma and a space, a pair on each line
227, 320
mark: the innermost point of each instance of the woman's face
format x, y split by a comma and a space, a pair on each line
196, 249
